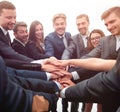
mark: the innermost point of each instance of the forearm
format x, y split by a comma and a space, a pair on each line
93, 64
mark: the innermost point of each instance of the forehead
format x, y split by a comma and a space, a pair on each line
82, 19
111, 17
8, 12
21, 28
95, 34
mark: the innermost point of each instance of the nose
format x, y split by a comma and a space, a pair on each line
109, 26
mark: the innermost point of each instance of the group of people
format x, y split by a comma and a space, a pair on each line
35, 72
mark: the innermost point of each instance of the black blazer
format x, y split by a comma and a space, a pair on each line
16, 93
54, 46
6, 51
30, 50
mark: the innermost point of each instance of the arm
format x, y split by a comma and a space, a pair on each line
68, 52
8, 52
49, 49
92, 63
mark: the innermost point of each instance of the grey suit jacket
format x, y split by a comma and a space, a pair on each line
76, 50
104, 88
106, 49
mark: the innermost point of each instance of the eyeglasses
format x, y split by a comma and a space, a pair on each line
95, 38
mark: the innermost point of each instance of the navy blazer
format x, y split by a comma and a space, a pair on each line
16, 94
103, 88
54, 46
6, 51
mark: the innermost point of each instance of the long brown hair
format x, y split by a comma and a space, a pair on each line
32, 31
90, 46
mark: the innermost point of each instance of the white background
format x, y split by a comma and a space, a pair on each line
43, 10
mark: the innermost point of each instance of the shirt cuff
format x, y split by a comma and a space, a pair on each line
38, 61
62, 92
48, 75
75, 75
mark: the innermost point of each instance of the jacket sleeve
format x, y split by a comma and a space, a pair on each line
22, 65
69, 51
8, 52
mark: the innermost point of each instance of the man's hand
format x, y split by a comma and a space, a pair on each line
66, 83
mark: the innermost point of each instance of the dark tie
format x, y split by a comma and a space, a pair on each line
8, 38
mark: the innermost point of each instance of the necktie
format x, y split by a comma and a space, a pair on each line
8, 38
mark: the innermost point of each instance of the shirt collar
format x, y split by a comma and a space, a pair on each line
4, 31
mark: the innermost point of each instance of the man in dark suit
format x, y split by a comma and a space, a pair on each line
57, 41
23, 45
6, 50
19, 94
102, 88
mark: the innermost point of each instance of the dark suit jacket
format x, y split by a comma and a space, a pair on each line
16, 94
6, 51
30, 50
54, 45
103, 88
76, 50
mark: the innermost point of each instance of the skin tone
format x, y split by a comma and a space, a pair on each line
8, 19
59, 26
39, 32
95, 38
112, 22
21, 34
82, 25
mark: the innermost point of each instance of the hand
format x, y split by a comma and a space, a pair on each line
60, 74
66, 83
50, 68
51, 60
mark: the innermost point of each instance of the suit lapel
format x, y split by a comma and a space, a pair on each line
112, 46
4, 38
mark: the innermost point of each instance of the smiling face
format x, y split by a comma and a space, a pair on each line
82, 25
112, 22
59, 26
8, 18
39, 32
95, 38
22, 34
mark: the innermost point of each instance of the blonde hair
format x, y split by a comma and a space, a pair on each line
60, 15
115, 10
83, 15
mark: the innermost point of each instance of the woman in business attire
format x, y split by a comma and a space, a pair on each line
36, 37
93, 41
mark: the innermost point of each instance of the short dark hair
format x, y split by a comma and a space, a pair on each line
19, 24
6, 5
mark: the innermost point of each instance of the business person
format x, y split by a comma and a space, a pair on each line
57, 41
79, 48
25, 44
104, 50
101, 88
7, 22
25, 94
